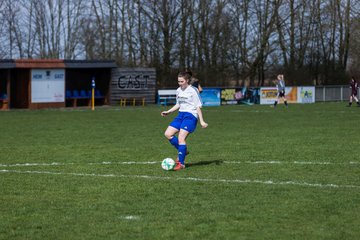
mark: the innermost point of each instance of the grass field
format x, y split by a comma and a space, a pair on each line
255, 173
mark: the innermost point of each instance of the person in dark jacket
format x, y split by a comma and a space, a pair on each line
354, 91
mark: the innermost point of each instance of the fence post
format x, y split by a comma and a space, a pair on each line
341, 94
324, 98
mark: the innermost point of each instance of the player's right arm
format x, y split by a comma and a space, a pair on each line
173, 109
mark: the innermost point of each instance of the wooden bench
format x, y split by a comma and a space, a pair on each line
166, 97
132, 101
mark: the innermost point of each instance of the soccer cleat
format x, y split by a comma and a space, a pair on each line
178, 165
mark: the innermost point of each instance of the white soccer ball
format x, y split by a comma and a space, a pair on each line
168, 164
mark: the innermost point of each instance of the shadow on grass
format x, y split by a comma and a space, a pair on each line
201, 163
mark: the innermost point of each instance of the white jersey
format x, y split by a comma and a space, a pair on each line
188, 99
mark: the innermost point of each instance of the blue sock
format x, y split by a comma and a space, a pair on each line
182, 153
175, 142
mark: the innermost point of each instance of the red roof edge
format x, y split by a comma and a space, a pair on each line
39, 63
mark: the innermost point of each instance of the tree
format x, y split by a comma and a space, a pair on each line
221, 40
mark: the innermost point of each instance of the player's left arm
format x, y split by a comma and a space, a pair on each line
198, 104
201, 118
200, 88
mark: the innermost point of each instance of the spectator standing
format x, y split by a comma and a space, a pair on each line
354, 91
194, 81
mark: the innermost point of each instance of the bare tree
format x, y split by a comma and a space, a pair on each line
263, 27
10, 16
97, 7
48, 19
72, 25
165, 15
221, 40
185, 12
238, 48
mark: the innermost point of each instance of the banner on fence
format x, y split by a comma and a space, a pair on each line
306, 94
211, 96
268, 95
228, 96
244, 95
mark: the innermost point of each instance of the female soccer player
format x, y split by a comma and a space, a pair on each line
354, 87
189, 104
280, 84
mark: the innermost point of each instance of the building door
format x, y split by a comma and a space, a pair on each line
19, 86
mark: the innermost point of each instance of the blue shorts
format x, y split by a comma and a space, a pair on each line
185, 121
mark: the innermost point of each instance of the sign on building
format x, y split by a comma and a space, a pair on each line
130, 83
47, 85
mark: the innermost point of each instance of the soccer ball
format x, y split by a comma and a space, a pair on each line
168, 164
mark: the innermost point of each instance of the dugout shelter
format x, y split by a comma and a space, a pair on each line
53, 83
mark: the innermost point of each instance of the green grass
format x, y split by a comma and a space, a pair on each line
255, 173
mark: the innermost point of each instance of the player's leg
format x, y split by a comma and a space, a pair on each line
174, 128
350, 100
276, 101
356, 99
183, 134
188, 126
170, 135
285, 101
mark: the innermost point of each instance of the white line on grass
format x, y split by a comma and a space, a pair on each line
240, 181
294, 162
34, 164
155, 162
63, 164
130, 217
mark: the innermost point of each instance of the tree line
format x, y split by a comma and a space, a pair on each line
224, 42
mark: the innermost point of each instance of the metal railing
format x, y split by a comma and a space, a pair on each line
332, 93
